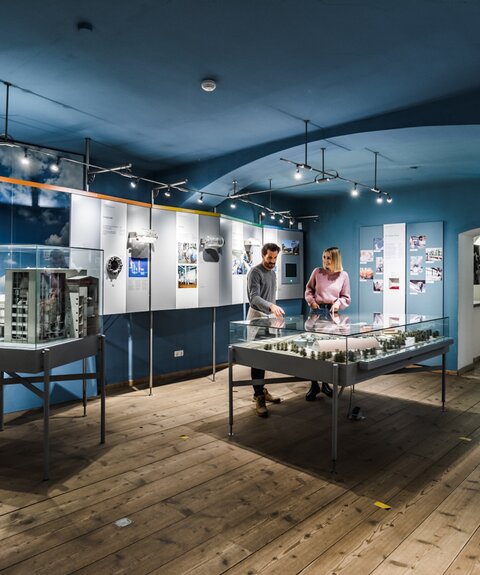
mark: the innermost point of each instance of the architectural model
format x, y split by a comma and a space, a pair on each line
338, 349
42, 305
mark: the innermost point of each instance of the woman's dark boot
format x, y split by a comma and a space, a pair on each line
313, 391
326, 389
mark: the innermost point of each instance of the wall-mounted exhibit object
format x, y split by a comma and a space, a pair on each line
113, 267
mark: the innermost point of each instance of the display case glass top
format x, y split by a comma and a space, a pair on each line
49, 294
340, 338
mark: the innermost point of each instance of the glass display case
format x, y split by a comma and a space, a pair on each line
49, 294
341, 350
341, 339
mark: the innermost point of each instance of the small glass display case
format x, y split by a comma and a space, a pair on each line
49, 294
342, 339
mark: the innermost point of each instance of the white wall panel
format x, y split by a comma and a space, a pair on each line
164, 260
394, 269
187, 249
209, 264
138, 219
113, 242
85, 216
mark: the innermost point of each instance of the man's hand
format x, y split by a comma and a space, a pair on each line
277, 310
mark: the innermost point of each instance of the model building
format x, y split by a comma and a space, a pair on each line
42, 305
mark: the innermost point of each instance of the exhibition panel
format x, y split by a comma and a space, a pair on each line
159, 258
401, 268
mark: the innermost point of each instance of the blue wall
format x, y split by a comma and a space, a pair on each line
127, 340
341, 218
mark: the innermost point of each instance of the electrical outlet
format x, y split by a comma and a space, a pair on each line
178, 353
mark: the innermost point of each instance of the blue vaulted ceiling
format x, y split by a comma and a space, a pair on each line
397, 78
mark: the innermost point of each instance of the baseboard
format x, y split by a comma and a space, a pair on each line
165, 379
466, 368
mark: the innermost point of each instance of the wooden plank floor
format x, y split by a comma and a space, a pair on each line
263, 501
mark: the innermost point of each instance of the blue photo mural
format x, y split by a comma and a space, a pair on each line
30, 215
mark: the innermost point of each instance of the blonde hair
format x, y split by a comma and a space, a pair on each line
336, 256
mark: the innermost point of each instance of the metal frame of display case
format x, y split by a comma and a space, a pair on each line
339, 375
34, 360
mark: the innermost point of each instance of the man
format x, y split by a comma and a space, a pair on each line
261, 289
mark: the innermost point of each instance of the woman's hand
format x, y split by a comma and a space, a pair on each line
314, 305
335, 307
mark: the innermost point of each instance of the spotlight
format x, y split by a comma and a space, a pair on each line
134, 183
354, 192
233, 204
291, 222
263, 213
200, 199
55, 166
272, 216
281, 220
25, 160
167, 193
298, 174
379, 197
389, 199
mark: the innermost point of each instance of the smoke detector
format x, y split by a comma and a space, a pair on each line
208, 85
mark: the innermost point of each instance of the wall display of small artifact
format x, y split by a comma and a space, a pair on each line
401, 268
184, 259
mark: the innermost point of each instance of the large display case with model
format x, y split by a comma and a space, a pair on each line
50, 314
50, 294
338, 349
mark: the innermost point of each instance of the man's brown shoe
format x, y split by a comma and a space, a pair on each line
260, 406
270, 398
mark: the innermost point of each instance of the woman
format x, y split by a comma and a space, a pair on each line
327, 291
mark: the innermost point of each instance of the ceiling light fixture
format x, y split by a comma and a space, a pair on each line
208, 85
298, 166
167, 193
379, 199
200, 199
354, 192
233, 203
134, 183
389, 199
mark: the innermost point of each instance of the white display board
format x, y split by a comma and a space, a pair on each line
137, 260
394, 269
284, 239
164, 260
85, 218
187, 247
113, 229
209, 262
